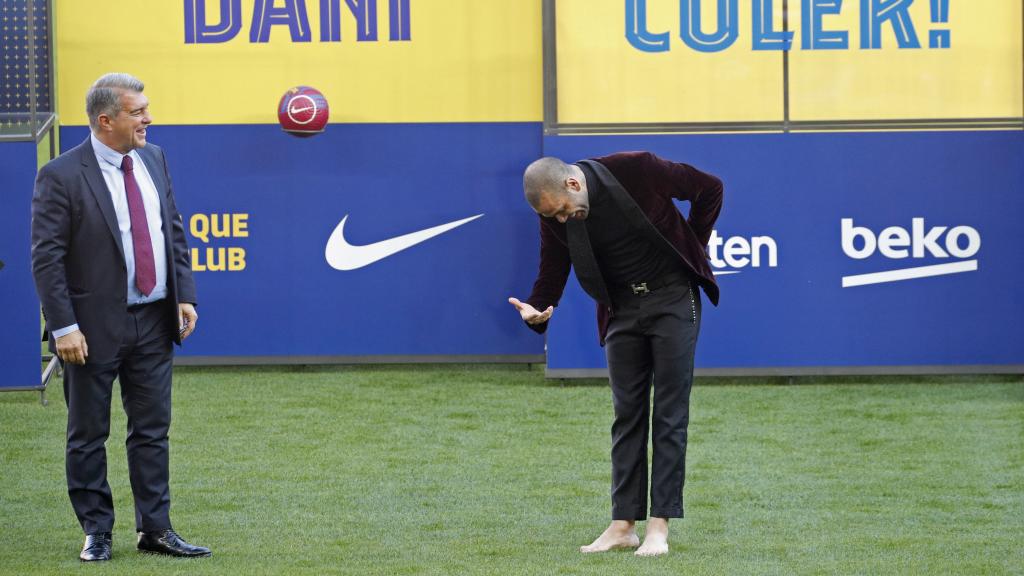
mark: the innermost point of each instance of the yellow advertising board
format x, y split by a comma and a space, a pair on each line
230, 61
977, 76
747, 61
604, 78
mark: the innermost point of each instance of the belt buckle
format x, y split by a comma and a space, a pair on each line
640, 289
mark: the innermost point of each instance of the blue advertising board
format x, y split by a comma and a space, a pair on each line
20, 357
367, 240
833, 250
838, 250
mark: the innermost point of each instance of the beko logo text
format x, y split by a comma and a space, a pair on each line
897, 243
739, 252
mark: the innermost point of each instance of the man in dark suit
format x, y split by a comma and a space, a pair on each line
613, 220
112, 270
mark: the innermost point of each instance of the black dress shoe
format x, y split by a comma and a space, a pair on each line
96, 548
168, 542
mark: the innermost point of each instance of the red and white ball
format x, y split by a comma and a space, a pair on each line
303, 111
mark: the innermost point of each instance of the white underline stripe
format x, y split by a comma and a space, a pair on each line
910, 273
725, 272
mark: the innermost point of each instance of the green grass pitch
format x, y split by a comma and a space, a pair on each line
494, 470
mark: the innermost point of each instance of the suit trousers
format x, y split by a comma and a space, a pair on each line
143, 367
650, 343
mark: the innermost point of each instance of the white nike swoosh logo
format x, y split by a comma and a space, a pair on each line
344, 256
297, 110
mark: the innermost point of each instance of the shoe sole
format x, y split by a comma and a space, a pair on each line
155, 553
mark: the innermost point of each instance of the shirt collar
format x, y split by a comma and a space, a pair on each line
108, 154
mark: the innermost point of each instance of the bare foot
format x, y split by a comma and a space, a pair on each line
656, 538
619, 534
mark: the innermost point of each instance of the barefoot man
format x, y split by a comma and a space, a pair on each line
612, 219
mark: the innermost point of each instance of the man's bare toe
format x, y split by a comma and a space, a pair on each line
653, 547
608, 542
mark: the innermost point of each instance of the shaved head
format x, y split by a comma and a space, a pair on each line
544, 176
556, 190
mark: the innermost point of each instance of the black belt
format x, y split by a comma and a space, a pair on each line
137, 307
644, 288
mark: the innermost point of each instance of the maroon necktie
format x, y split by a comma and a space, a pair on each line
145, 269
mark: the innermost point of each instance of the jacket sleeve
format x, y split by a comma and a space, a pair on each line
551, 275
51, 236
182, 256
704, 192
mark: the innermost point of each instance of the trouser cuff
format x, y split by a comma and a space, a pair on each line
667, 512
153, 527
96, 529
629, 513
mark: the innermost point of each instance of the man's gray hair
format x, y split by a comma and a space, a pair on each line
104, 97
544, 176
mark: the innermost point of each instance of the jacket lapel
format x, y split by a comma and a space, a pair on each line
157, 174
588, 273
98, 187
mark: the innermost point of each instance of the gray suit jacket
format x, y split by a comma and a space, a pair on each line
77, 257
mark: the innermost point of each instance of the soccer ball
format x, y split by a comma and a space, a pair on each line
303, 111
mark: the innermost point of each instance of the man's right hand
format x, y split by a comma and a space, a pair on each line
530, 314
72, 348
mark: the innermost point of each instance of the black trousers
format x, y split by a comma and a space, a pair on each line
651, 341
143, 367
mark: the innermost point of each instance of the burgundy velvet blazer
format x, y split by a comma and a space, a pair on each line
652, 183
